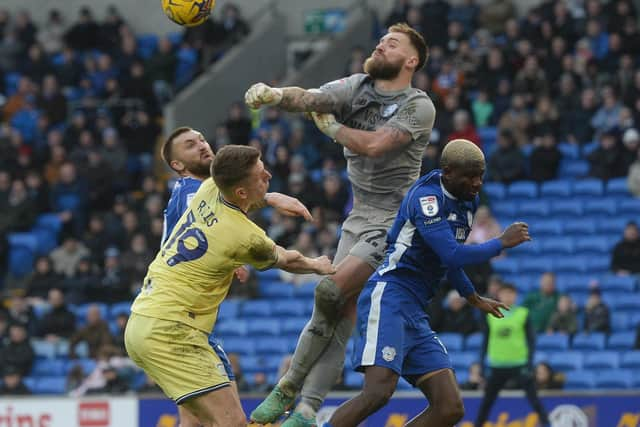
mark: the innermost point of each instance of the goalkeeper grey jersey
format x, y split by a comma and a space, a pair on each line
382, 181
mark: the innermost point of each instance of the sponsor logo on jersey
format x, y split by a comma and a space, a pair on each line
389, 110
429, 205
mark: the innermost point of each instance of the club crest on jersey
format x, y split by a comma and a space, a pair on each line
429, 205
389, 110
388, 353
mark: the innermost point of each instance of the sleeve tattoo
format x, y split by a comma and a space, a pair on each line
296, 99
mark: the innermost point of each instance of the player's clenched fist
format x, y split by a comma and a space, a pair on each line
516, 233
323, 265
327, 124
260, 94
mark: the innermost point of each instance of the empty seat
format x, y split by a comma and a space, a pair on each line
238, 345
629, 206
630, 303
462, 360
566, 207
618, 283
271, 274
527, 248
473, 341
571, 264
232, 328
620, 322
265, 326
592, 244
256, 308
533, 208
540, 357
614, 378
566, 360
229, 309
569, 151
119, 308
556, 188
612, 225
630, 360
523, 190
506, 265
585, 341
49, 367
588, 187
50, 221
290, 307
275, 289
272, 345
27, 240
579, 380
580, 226
47, 240
622, 340
536, 265
617, 186
601, 360
504, 208
600, 207
494, 190
293, 326
573, 168
50, 385
560, 245
552, 342
306, 290
354, 379
453, 342
251, 364
546, 227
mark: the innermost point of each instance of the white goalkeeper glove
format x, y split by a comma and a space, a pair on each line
260, 94
327, 124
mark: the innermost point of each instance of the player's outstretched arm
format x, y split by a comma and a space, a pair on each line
294, 262
286, 205
515, 234
293, 99
463, 285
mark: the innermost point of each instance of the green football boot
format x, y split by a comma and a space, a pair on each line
273, 407
298, 420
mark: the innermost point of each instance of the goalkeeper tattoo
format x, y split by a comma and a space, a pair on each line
295, 99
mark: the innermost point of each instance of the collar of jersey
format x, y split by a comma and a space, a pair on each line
229, 204
446, 193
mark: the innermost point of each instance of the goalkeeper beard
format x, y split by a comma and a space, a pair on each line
379, 68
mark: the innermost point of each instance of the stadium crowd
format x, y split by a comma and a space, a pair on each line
81, 105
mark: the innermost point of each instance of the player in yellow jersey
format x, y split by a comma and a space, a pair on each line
189, 278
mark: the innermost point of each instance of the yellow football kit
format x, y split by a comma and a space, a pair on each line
167, 334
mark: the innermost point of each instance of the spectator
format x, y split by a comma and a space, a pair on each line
95, 334
114, 382
507, 162
18, 351
118, 336
564, 319
516, 120
476, 380
482, 109
241, 381
626, 253
633, 179
545, 159
12, 384
463, 128
21, 312
430, 159
605, 159
149, 386
50, 36
495, 14
458, 316
19, 213
547, 379
37, 285
485, 226
629, 153
576, 124
59, 323
606, 117
66, 257
85, 33
103, 378
238, 125
542, 303
596, 313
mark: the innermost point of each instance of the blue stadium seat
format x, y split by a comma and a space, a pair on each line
272, 289
629, 206
597, 264
306, 290
272, 345
588, 187
11, 80
557, 245
271, 274
232, 328
50, 221
462, 360
494, 190
473, 342
636, 378
622, 340
630, 360
613, 225
291, 307
580, 226
569, 151
251, 364
147, 44
256, 308
48, 367
505, 265
546, 227
50, 385
566, 360
585, 341
403, 384
552, 342
263, 326
635, 319
536, 265
533, 208
571, 264
272, 363
567, 207
30, 382
119, 308
629, 303
600, 207
504, 208
592, 244
88, 365
528, 248
579, 299
47, 240
570, 282
601, 360
556, 188
293, 326
618, 187
522, 190
620, 322
354, 380
573, 168
229, 309
614, 378
241, 346
175, 38
612, 282
579, 380
452, 341
26, 240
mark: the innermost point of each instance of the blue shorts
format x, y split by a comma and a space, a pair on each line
215, 345
393, 331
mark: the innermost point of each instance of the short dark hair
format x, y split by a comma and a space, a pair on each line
232, 165
508, 287
167, 152
416, 39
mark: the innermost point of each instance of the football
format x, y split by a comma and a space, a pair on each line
188, 13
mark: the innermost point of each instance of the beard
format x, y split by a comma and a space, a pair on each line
201, 168
378, 68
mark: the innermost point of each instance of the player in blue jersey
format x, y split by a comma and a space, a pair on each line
393, 336
187, 152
